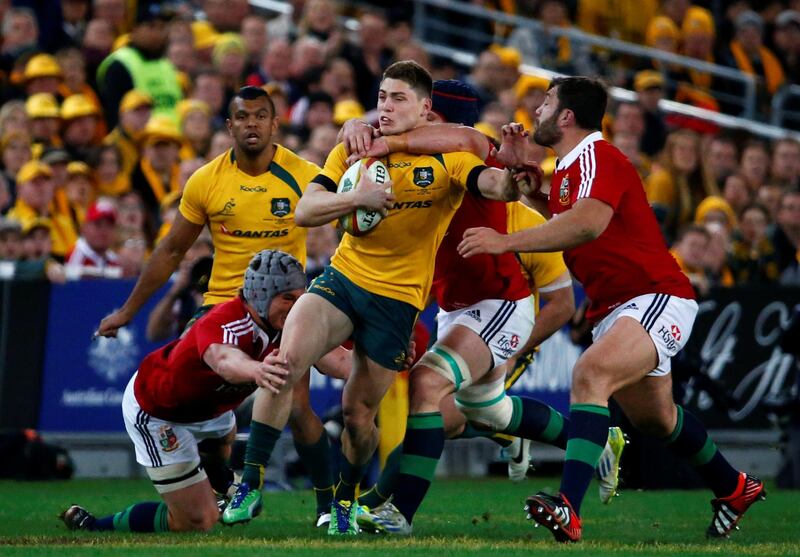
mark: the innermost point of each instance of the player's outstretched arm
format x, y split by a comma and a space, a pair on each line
319, 206
165, 259
587, 219
236, 367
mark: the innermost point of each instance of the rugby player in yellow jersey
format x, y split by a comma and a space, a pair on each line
376, 284
247, 197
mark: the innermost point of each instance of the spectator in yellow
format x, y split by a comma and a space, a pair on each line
663, 34
15, 151
195, 120
753, 259
45, 122
35, 200
230, 60
73, 66
80, 190
698, 42
158, 171
677, 187
135, 110
748, 54
714, 209
110, 179
79, 132
626, 20
42, 75
529, 92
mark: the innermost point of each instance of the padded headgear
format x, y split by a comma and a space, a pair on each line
271, 272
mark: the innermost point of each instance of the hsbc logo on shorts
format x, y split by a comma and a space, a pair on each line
670, 337
508, 345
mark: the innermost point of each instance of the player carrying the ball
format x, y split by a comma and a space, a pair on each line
376, 284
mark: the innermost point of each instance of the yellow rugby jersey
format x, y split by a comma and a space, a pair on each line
246, 214
538, 268
396, 258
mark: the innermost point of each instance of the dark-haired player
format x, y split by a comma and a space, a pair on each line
247, 197
642, 306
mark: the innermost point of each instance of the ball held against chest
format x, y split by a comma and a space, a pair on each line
361, 221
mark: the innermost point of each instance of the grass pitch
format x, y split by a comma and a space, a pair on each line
459, 517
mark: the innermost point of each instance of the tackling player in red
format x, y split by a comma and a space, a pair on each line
178, 407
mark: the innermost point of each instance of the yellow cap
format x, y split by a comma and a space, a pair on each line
509, 56
79, 168
42, 65
698, 21
134, 99
346, 109
41, 105
186, 106
161, 128
227, 42
647, 79
527, 82
204, 35
715, 203
32, 170
78, 105
32, 224
661, 27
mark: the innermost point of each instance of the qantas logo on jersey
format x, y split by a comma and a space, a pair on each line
254, 233
563, 191
413, 204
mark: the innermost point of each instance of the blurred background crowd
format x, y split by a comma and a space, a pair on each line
108, 106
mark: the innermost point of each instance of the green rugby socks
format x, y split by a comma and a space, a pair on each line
422, 449
588, 433
690, 441
259, 448
140, 517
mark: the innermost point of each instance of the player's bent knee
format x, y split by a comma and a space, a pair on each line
448, 364
426, 385
358, 417
487, 406
194, 520
589, 381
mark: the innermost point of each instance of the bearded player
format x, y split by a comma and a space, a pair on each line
642, 307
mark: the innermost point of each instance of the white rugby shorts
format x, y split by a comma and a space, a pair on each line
667, 319
168, 450
503, 325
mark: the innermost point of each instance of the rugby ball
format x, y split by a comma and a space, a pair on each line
361, 221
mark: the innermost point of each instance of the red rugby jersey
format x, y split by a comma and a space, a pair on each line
460, 282
630, 257
175, 384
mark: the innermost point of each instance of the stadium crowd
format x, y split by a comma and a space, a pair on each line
94, 152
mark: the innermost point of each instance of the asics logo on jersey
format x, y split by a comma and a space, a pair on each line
254, 189
413, 204
254, 233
